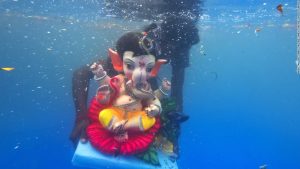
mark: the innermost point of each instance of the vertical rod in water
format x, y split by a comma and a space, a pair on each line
298, 37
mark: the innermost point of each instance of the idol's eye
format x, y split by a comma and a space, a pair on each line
149, 69
130, 66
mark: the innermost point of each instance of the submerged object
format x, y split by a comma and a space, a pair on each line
87, 156
280, 8
159, 156
7, 68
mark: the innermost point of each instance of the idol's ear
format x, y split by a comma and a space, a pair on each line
116, 60
156, 67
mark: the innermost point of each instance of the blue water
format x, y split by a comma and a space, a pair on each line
241, 90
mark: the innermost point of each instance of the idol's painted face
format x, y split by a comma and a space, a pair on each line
138, 68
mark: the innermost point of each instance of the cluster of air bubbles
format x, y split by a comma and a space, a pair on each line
92, 2
202, 50
188, 14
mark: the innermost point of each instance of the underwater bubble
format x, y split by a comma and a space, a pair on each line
263, 166
17, 146
62, 30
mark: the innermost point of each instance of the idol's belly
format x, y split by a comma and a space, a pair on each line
128, 104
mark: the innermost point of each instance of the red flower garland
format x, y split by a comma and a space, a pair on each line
104, 140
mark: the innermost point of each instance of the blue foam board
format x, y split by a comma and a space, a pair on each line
88, 157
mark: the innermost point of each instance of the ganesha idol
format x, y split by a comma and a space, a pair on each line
124, 114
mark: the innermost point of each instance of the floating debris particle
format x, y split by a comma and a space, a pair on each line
256, 31
280, 8
7, 68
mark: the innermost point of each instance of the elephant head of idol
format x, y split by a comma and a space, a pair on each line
135, 57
